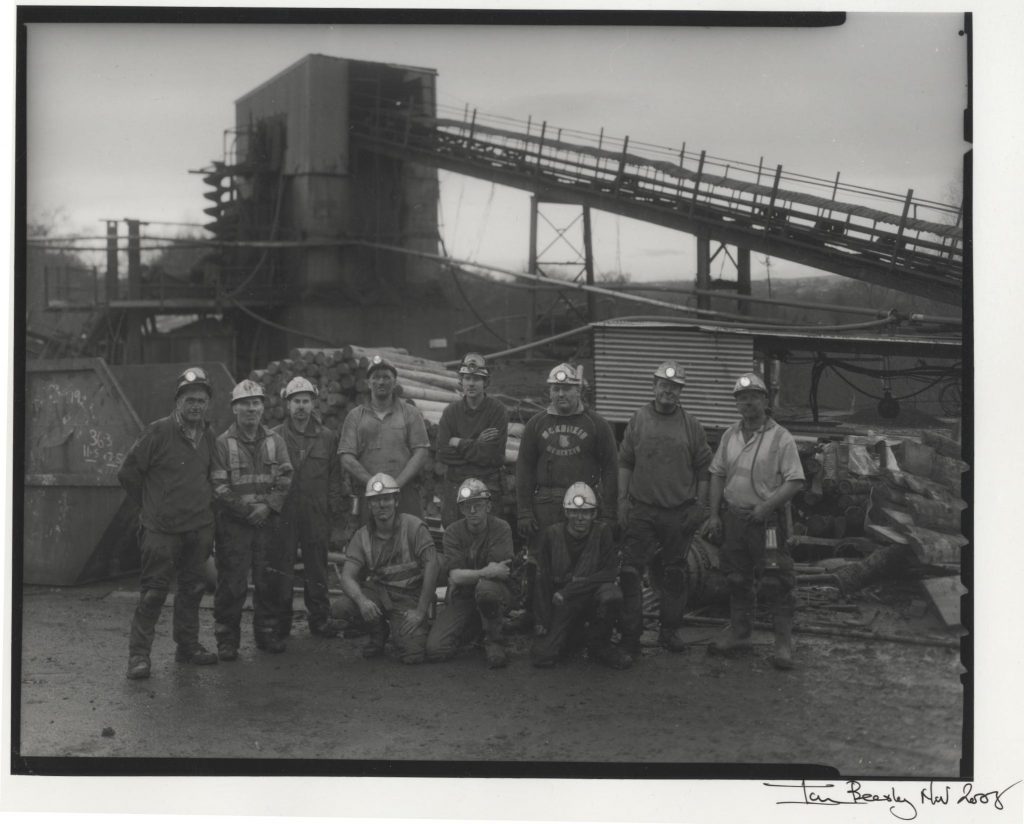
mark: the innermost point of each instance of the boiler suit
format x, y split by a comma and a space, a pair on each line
470, 608
315, 502
168, 476
583, 570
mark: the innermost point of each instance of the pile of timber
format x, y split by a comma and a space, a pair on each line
340, 376
918, 503
903, 496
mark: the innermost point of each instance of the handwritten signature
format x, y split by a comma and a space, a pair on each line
902, 805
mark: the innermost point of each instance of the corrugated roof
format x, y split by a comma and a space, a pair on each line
626, 355
945, 342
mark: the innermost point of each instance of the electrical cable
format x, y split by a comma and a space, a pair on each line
279, 327
458, 285
273, 231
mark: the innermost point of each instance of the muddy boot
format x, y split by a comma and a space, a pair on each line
377, 637
494, 652
327, 629
227, 642
782, 655
494, 645
612, 656
227, 651
736, 637
140, 639
672, 608
672, 639
138, 667
274, 645
197, 654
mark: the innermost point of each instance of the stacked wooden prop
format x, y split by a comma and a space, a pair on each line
340, 376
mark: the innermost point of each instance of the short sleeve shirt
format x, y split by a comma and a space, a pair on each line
383, 443
754, 469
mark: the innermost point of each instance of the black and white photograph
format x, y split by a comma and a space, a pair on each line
478, 395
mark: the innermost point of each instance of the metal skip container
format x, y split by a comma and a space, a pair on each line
78, 427
80, 422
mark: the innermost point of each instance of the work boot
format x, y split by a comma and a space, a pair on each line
494, 647
138, 667
612, 656
328, 629
494, 652
782, 654
672, 639
631, 647
272, 644
194, 655
736, 637
227, 651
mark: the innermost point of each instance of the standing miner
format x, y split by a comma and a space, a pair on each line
389, 575
471, 437
167, 474
663, 495
314, 507
561, 445
756, 469
477, 554
575, 589
386, 435
251, 476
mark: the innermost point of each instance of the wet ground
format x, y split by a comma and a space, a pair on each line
867, 708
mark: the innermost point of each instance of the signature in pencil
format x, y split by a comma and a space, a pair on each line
902, 804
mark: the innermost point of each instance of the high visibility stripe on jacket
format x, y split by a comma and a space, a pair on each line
397, 567
246, 473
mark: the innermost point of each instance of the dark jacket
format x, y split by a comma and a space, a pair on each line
169, 477
572, 566
316, 489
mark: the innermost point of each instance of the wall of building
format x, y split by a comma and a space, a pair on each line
352, 294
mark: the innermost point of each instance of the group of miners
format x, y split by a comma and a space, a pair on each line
595, 519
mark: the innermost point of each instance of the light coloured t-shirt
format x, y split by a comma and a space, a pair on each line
386, 443
755, 469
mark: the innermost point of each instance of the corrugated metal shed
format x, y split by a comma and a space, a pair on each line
626, 353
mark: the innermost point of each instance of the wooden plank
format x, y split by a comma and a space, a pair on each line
886, 534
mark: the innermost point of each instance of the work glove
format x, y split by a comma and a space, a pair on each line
527, 526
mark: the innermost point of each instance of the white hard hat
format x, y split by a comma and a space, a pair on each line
193, 376
749, 381
247, 389
474, 364
378, 362
298, 385
579, 496
382, 484
566, 374
473, 489
670, 370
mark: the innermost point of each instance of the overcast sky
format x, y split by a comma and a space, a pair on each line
118, 114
